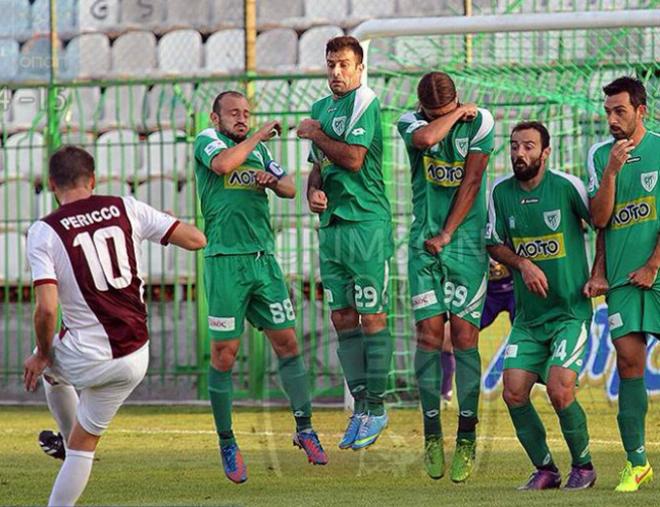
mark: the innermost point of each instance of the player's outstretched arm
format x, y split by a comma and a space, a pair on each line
187, 236
45, 321
428, 135
601, 205
231, 158
475, 165
532, 275
597, 284
349, 156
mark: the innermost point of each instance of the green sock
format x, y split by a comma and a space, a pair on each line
531, 433
468, 380
220, 393
350, 351
379, 347
429, 382
295, 383
633, 404
573, 422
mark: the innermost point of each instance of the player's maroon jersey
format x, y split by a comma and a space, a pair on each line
90, 248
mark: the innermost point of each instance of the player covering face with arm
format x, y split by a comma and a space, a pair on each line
624, 193
346, 188
535, 227
233, 169
448, 146
101, 349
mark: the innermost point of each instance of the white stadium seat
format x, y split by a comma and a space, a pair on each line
145, 15
28, 108
304, 92
165, 153
277, 50
87, 56
156, 263
292, 247
166, 107
279, 13
15, 22
9, 50
227, 13
180, 52
364, 9
421, 8
225, 51
13, 249
124, 106
134, 53
159, 192
118, 155
65, 13
18, 205
83, 108
33, 63
24, 156
317, 12
311, 46
113, 187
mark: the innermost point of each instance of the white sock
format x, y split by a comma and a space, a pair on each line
62, 401
72, 479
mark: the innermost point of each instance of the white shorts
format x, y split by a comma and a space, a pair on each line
103, 385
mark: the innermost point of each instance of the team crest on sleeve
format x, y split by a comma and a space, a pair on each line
462, 144
649, 180
339, 125
552, 219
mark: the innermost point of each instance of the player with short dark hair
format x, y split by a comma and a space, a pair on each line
623, 177
85, 256
448, 145
535, 228
346, 189
233, 169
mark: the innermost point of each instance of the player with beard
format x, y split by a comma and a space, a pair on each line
623, 188
233, 169
535, 228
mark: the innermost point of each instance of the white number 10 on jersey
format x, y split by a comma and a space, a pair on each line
98, 256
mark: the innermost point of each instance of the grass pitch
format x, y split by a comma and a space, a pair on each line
169, 456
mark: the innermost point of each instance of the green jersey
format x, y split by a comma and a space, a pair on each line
632, 233
235, 208
353, 119
545, 226
437, 173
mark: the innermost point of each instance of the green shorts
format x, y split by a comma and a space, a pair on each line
240, 286
633, 310
355, 264
441, 284
536, 349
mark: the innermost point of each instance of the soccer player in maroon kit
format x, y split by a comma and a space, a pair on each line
85, 257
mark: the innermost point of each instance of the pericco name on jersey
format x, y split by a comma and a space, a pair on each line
541, 248
634, 212
444, 174
242, 178
96, 216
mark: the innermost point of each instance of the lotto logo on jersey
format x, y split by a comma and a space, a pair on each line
443, 174
242, 178
542, 248
634, 212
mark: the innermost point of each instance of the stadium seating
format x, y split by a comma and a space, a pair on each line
13, 248
318, 13
291, 245
149, 15
227, 13
87, 56
159, 192
18, 205
98, 16
118, 155
180, 52
134, 53
364, 9
24, 156
113, 187
35, 57
123, 106
225, 51
65, 13
9, 50
275, 13
277, 50
81, 108
15, 22
188, 13
166, 154
311, 47
166, 106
